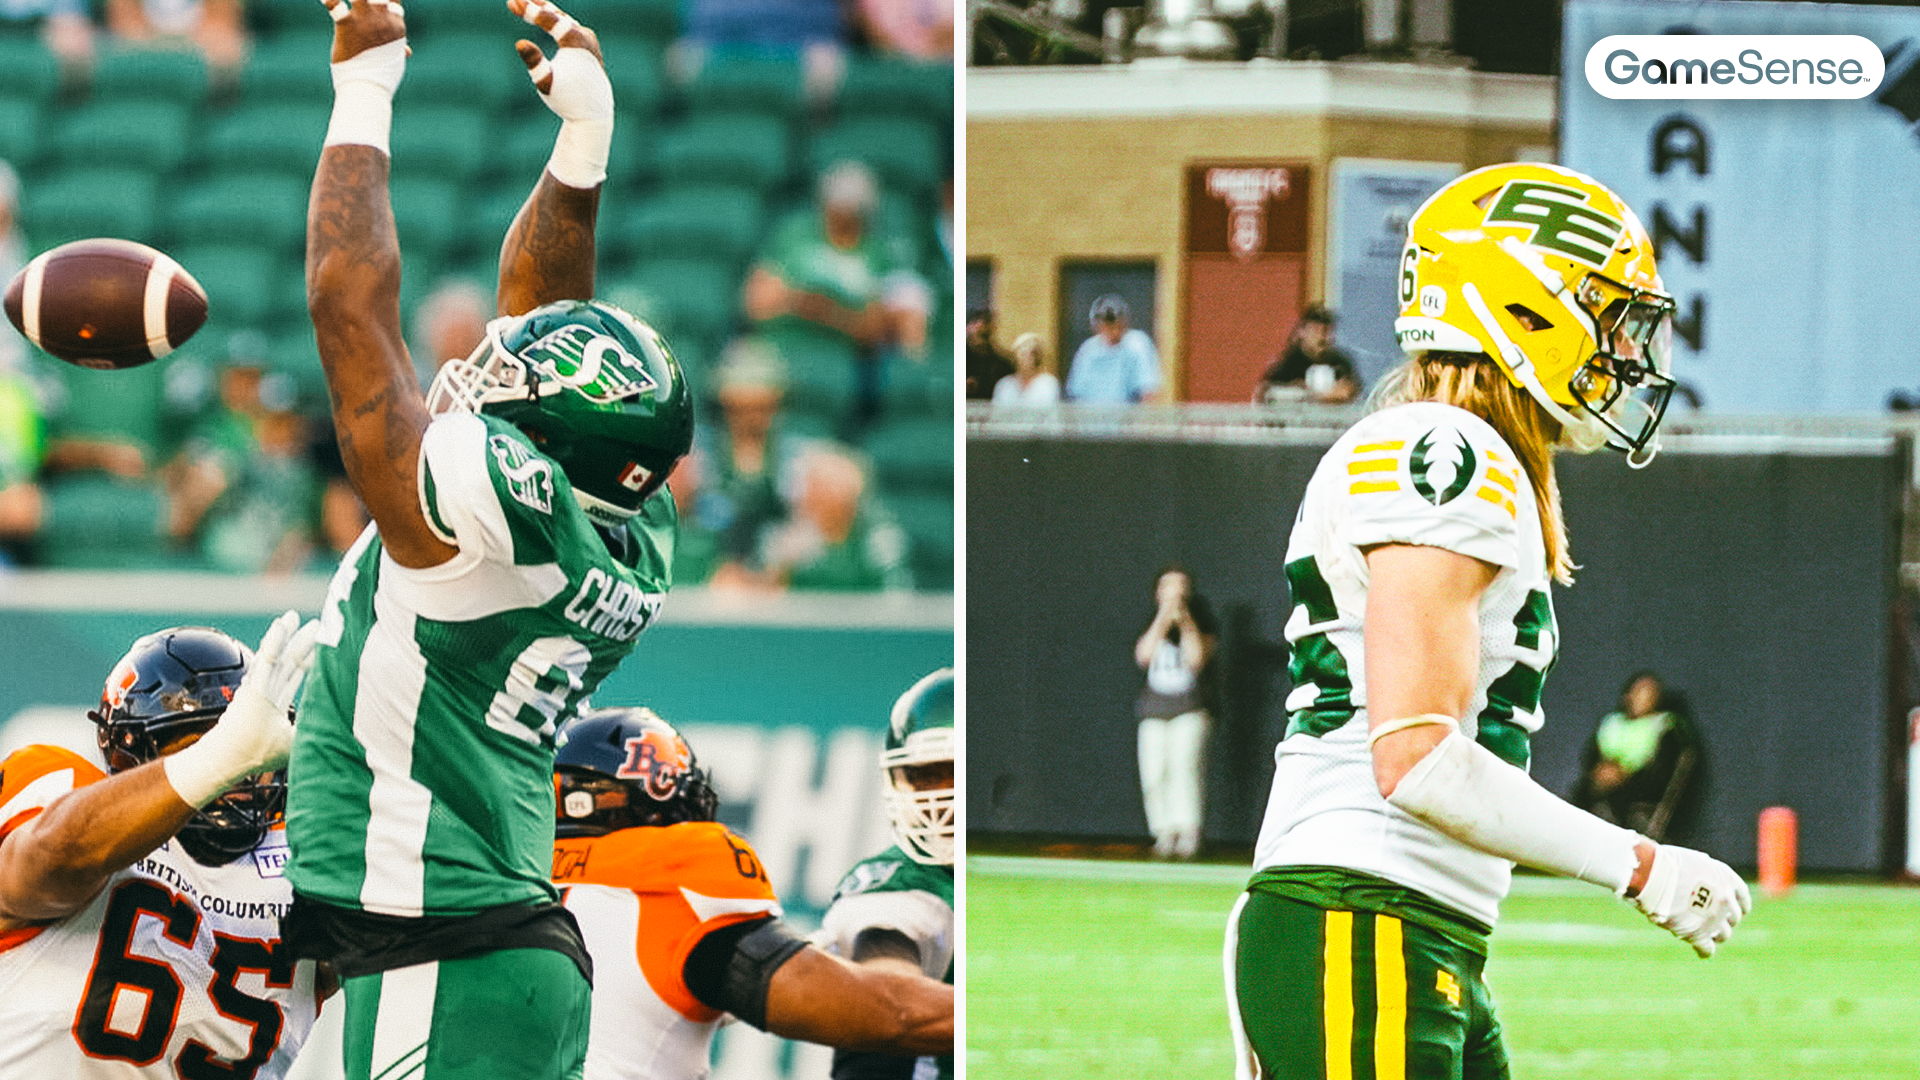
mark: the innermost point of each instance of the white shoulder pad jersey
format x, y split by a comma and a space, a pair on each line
174, 970
1426, 474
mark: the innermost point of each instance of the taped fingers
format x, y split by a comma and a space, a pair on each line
539, 69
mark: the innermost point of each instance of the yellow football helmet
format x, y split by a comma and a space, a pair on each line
1551, 275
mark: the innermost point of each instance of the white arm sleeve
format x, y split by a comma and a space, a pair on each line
1463, 790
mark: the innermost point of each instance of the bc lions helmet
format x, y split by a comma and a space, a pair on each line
167, 691
917, 763
622, 768
1551, 275
595, 389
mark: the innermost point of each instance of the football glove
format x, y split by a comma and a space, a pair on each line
255, 732
1694, 896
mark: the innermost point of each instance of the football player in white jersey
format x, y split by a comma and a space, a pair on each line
1420, 567
684, 927
140, 907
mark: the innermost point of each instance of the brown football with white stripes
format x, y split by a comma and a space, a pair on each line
106, 303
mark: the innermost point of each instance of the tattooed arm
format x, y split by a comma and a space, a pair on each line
549, 250
353, 295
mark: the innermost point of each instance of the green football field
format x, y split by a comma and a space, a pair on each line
1095, 970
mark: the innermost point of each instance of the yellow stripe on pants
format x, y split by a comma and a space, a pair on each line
1390, 991
1337, 995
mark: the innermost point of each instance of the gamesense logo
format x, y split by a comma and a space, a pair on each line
1735, 66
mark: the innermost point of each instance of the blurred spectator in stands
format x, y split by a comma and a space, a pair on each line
986, 364
13, 256
830, 288
839, 538
243, 491
744, 455
449, 324
1117, 365
22, 507
1029, 385
1637, 768
696, 553
922, 29
214, 27
813, 30
1172, 710
64, 27
1311, 367
342, 515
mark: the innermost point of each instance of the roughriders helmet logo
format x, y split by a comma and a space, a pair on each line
1441, 465
591, 363
1560, 218
658, 761
1246, 193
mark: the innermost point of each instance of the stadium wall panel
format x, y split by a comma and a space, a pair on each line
1760, 584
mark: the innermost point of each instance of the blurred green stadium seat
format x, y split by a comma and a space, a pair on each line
658, 20
19, 132
739, 149
266, 211
747, 84
426, 211
923, 388
477, 70
150, 75
448, 141
152, 136
244, 283
489, 212
277, 135
720, 223
28, 72
819, 384
430, 17
913, 452
886, 86
102, 522
927, 518
638, 76
290, 68
89, 202
521, 154
905, 153
686, 296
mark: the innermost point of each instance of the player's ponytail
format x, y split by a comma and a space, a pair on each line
1473, 382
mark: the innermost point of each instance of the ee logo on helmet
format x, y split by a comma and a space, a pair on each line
1560, 218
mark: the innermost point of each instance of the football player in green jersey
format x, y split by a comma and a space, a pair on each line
896, 909
521, 541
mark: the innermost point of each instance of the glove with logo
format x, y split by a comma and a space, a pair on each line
1694, 896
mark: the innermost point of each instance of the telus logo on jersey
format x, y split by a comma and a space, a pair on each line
612, 608
1441, 464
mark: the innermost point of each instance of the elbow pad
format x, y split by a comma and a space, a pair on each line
1463, 790
731, 968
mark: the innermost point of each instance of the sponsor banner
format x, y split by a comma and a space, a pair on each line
1676, 66
1366, 235
1782, 226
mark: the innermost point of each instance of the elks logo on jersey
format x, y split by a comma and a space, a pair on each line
1441, 465
529, 478
598, 367
1560, 219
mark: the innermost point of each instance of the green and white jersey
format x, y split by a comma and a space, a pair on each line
422, 769
1427, 474
893, 892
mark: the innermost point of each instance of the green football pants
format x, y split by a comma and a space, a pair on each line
517, 1014
1351, 995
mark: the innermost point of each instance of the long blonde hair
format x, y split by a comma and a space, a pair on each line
1472, 382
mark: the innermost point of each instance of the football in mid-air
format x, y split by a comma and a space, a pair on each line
106, 303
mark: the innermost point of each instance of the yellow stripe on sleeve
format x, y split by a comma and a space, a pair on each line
1505, 480
1390, 993
1378, 447
1385, 464
1493, 496
1365, 487
1337, 995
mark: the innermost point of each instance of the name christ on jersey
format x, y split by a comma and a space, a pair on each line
611, 608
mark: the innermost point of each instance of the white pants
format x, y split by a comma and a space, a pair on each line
1170, 780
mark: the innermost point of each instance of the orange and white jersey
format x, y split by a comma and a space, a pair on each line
644, 898
175, 970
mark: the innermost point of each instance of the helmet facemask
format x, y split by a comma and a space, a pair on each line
225, 828
920, 795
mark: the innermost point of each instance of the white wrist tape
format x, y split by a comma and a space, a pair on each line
204, 771
583, 98
363, 88
1463, 790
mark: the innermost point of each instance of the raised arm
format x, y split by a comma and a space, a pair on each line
353, 284
875, 1007
549, 251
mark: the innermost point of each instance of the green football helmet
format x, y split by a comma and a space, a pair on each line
917, 762
595, 388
